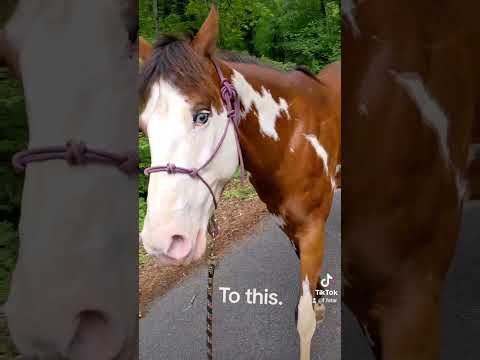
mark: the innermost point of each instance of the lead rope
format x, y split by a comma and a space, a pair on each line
232, 105
213, 231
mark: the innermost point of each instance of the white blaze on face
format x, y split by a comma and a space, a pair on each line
178, 206
267, 108
319, 149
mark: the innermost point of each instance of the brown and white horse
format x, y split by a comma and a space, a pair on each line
72, 293
409, 103
289, 136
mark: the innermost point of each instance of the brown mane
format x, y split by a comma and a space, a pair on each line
173, 58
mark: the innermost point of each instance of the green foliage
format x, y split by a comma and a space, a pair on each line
238, 21
305, 32
317, 42
144, 153
13, 137
146, 19
8, 255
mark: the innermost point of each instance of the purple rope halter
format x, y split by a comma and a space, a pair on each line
232, 104
76, 153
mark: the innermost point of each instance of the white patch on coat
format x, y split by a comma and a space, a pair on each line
306, 323
319, 149
432, 113
434, 117
268, 110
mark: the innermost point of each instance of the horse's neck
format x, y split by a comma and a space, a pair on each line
265, 104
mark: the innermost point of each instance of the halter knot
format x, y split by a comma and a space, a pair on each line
75, 152
171, 168
130, 164
193, 173
228, 91
232, 114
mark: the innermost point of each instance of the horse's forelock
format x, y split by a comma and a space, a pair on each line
173, 59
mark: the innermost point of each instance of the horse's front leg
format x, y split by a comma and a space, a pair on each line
408, 318
311, 248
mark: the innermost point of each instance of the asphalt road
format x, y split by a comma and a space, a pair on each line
461, 301
174, 329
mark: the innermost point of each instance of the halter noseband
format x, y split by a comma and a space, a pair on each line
76, 153
231, 102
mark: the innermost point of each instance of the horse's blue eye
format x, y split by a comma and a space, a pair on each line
201, 118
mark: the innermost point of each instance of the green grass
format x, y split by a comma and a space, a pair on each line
142, 210
237, 190
142, 255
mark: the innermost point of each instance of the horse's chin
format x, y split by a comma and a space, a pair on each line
166, 261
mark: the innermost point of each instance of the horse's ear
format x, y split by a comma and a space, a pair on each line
205, 42
145, 49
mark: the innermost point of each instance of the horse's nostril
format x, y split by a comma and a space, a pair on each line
177, 238
179, 247
90, 316
92, 327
